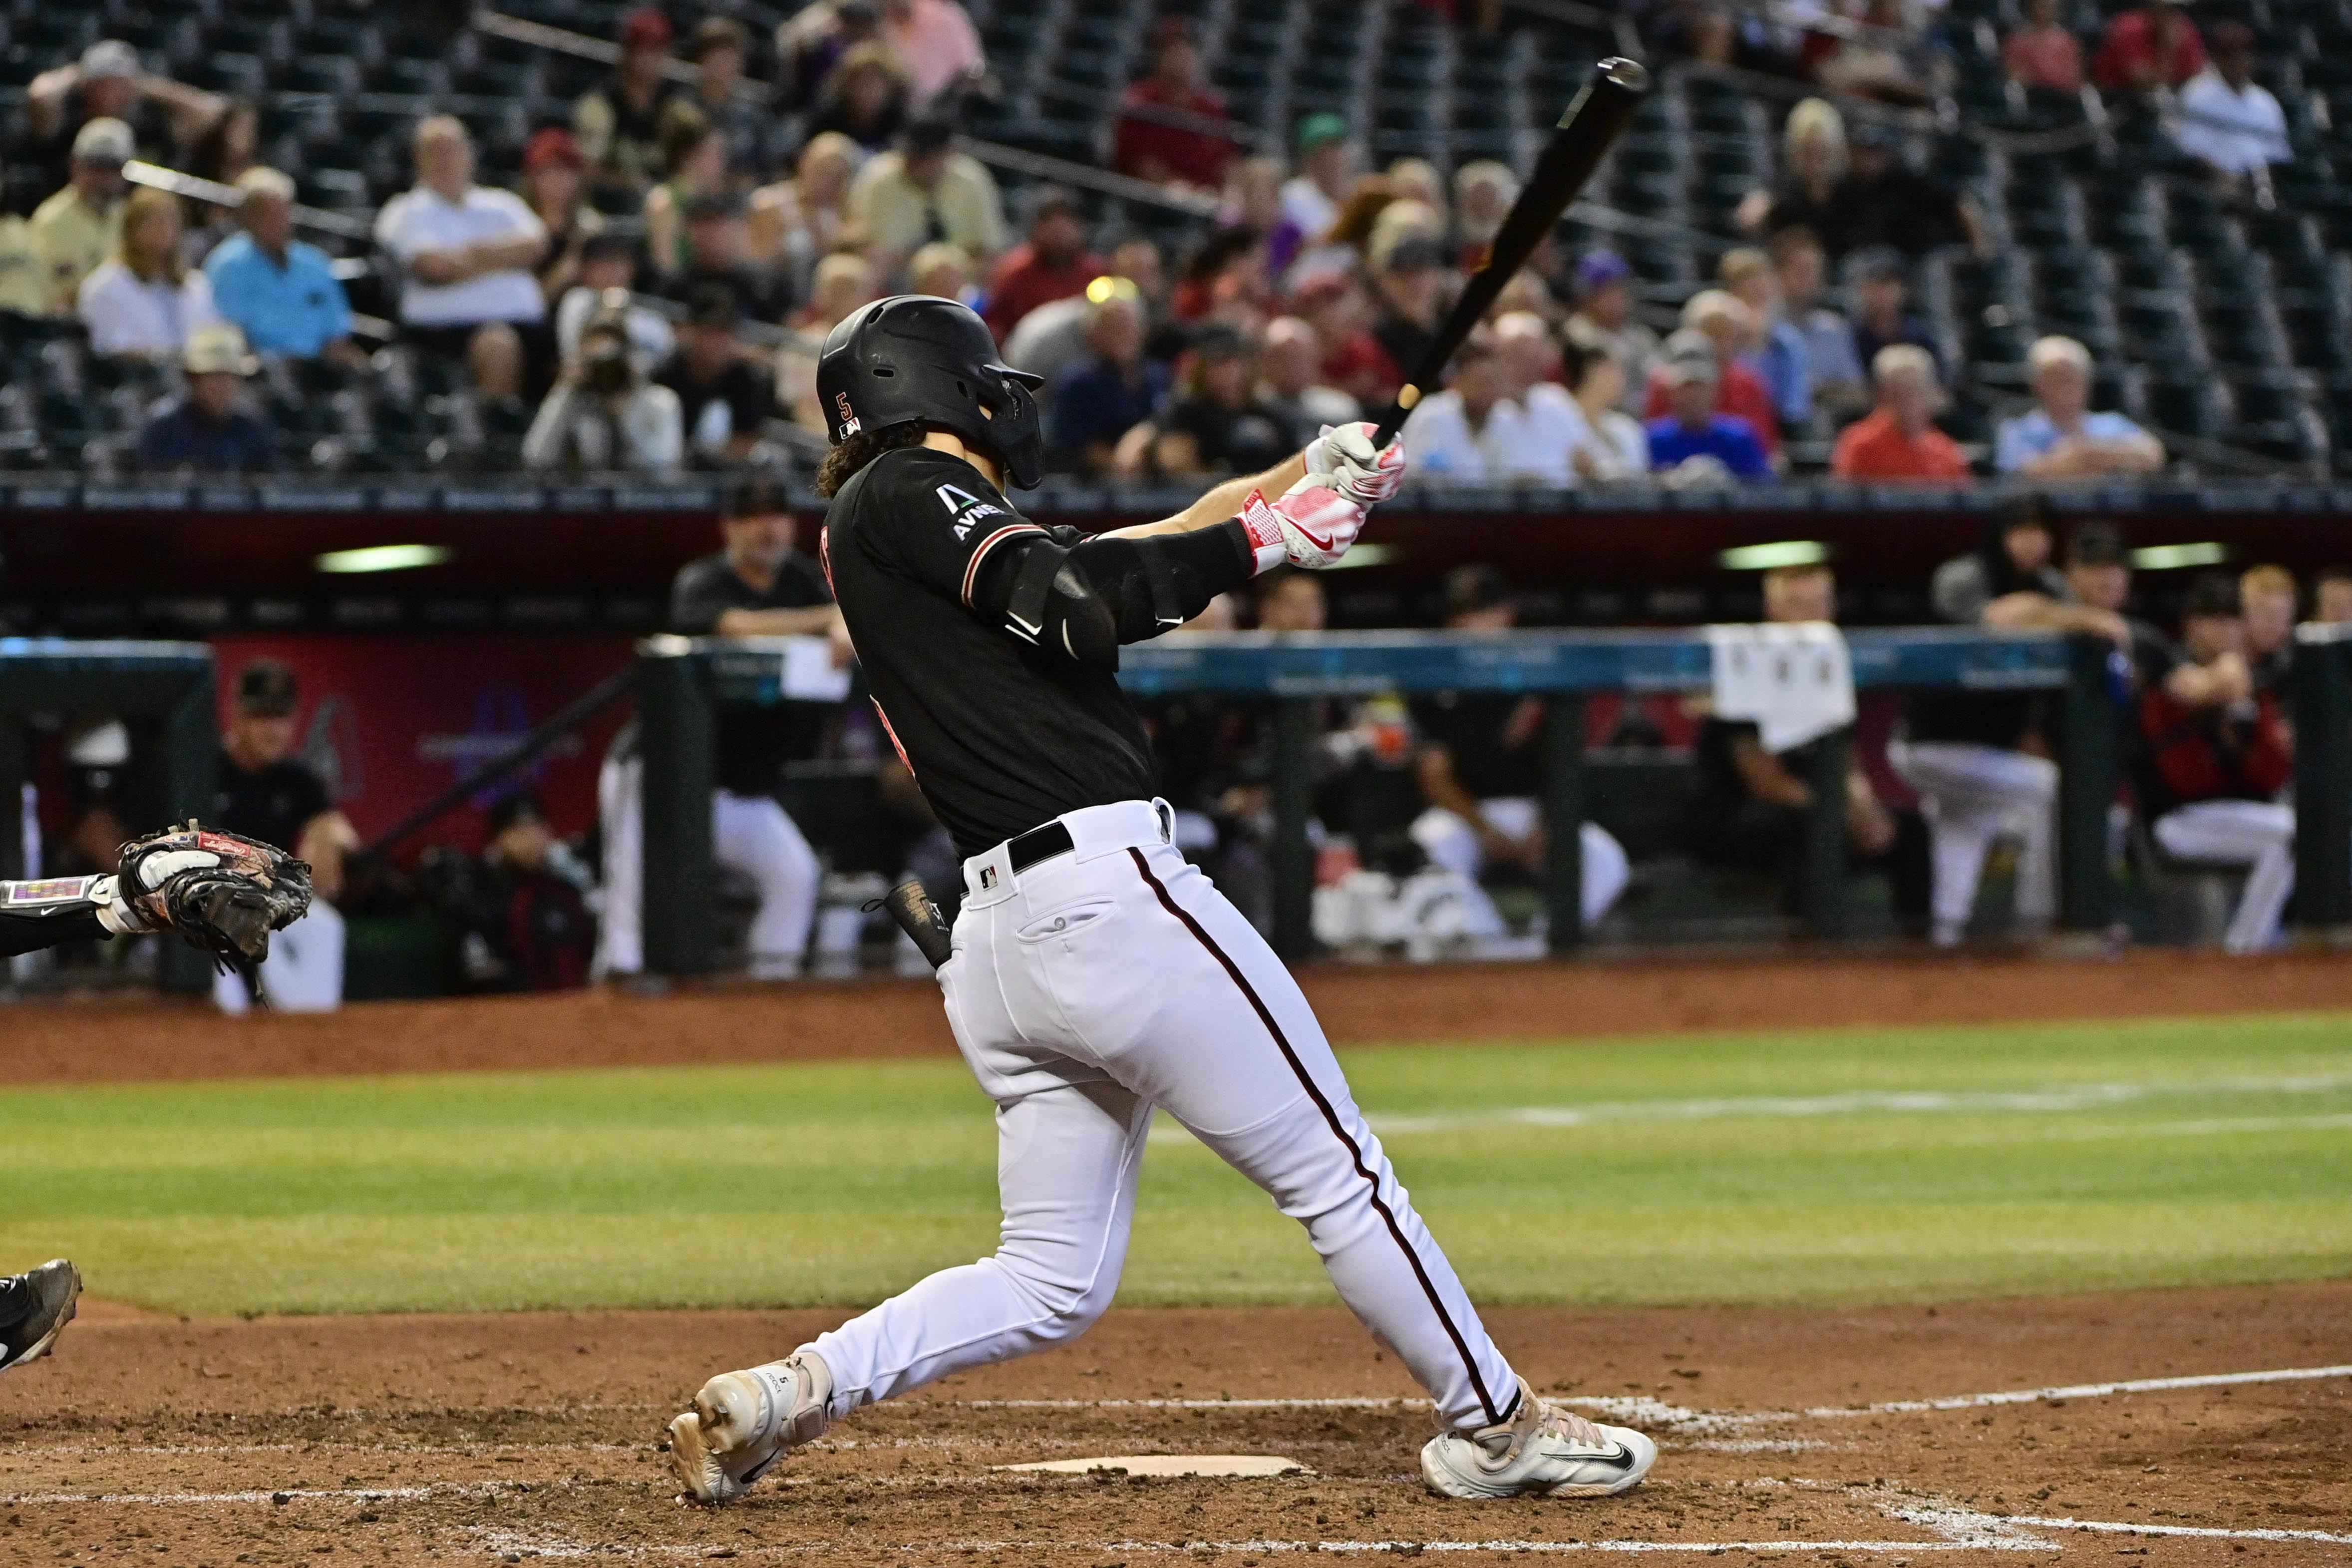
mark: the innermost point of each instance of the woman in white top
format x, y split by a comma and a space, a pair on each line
1611, 447
794, 223
144, 300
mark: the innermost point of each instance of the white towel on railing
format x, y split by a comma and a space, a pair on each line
1794, 682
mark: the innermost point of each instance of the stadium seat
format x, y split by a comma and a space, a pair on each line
2097, 236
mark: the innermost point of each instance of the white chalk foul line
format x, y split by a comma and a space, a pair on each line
518, 1542
2026, 1102
2088, 1391
1967, 1524
2113, 1527
1343, 1402
281, 1497
1658, 1413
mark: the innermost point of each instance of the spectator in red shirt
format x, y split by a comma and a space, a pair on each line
1053, 263
1898, 440
2154, 46
1336, 308
1144, 143
1739, 391
2043, 55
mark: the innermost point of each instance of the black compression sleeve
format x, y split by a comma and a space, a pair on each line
1200, 564
31, 932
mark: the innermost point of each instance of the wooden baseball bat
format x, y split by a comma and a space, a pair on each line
1583, 137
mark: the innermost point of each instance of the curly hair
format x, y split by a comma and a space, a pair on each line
844, 461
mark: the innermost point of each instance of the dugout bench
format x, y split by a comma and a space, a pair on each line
1569, 666
164, 691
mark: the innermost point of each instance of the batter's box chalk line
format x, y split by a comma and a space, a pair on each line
1219, 1466
1684, 1421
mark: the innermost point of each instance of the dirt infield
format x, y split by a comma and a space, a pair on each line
512, 1438
118, 1039
1883, 1436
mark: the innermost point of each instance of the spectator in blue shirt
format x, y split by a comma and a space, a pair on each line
1108, 389
282, 292
1693, 442
1882, 308
1835, 375
2062, 438
204, 431
1783, 360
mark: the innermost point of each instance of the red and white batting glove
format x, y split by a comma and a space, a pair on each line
1366, 474
1311, 525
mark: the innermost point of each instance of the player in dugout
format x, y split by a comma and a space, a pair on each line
1093, 975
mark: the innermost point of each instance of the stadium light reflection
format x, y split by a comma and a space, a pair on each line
382, 558
2171, 558
1767, 557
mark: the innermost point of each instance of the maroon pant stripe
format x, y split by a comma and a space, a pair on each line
1331, 1117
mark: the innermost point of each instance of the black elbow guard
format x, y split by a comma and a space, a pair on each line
1052, 605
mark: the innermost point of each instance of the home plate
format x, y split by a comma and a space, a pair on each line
1170, 1465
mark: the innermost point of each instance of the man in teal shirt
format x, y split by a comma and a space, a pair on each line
284, 293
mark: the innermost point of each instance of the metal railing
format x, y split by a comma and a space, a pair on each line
681, 686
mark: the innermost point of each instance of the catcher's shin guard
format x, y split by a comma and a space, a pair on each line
35, 1308
743, 1422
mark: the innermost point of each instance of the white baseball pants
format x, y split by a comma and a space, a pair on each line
2256, 834
1085, 992
750, 834
1970, 796
304, 971
1452, 844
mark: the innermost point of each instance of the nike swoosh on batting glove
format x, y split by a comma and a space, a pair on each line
1366, 474
1311, 525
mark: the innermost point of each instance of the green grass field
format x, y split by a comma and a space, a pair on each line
1857, 1165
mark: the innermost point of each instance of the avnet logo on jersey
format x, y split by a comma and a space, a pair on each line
966, 508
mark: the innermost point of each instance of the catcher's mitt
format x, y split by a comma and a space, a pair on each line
224, 892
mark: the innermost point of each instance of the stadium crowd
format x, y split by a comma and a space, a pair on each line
647, 293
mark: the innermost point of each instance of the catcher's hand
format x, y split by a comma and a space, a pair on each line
224, 892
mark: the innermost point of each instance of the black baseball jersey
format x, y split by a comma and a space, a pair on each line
1000, 734
754, 743
274, 805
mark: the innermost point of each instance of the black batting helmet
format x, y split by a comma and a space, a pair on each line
915, 357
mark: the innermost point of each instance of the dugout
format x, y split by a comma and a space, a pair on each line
681, 682
162, 692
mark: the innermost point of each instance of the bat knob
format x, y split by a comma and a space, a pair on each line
1632, 76
1407, 397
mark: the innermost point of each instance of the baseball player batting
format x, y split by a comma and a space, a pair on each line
224, 894
1094, 975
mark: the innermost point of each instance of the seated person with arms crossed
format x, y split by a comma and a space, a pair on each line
1978, 759
1480, 766
2216, 761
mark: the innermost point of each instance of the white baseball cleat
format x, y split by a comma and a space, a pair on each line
1541, 1451
743, 1422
